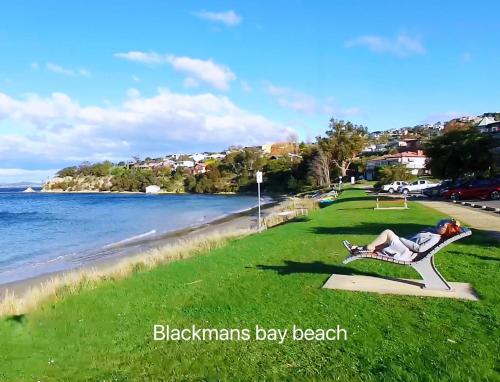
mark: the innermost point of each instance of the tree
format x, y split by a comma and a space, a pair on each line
68, 171
320, 168
461, 153
343, 143
389, 174
383, 138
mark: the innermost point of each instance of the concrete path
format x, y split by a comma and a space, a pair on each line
397, 286
477, 219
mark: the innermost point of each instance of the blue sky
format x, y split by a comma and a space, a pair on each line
94, 80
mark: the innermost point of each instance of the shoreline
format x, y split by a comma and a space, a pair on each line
237, 221
227, 193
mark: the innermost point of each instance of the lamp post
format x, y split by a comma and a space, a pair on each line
258, 175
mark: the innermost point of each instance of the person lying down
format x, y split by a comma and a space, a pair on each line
403, 249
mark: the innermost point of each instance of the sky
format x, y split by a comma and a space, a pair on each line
96, 80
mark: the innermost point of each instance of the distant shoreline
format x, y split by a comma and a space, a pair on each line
137, 192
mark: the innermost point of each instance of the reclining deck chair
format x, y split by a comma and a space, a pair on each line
423, 262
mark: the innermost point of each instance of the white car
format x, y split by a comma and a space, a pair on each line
394, 186
416, 186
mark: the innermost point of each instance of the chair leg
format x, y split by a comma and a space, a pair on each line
430, 275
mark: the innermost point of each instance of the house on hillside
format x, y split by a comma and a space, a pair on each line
198, 157
216, 156
266, 148
199, 168
184, 163
412, 144
284, 148
414, 161
488, 125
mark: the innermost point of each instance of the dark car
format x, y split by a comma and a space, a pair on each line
441, 188
475, 189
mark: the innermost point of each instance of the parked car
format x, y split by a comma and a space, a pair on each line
416, 186
393, 187
437, 191
475, 189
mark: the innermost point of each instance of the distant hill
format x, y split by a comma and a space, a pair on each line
20, 185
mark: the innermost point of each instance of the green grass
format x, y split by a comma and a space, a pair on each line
273, 280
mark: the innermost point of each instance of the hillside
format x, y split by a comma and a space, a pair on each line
88, 183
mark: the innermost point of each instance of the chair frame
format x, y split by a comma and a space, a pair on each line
423, 262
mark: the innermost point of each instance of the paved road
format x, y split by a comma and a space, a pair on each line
471, 217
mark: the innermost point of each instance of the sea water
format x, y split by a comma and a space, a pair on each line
45, 232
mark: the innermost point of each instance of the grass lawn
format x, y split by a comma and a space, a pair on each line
273, 280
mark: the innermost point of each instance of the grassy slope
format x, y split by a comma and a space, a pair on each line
272, 279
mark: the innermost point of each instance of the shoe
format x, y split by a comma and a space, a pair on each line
361, 251
347, 245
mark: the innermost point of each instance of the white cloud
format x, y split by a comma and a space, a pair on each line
216, 75
402, 45
292, 99
301, 102
228, 18
133, 93
190, 83
54, 68
143, 57
207, 71
57, 129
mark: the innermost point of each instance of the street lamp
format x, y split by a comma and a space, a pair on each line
258, 175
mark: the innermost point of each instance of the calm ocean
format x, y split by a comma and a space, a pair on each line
42, 233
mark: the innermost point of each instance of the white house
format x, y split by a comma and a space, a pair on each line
216, 156
153, 189
488, 125
198, 157
415, 161
184, 163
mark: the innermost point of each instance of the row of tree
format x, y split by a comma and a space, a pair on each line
461, 153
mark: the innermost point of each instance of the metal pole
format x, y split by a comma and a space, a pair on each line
258, 195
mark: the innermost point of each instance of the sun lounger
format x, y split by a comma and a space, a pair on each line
423, 262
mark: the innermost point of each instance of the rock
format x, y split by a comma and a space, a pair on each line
29, 189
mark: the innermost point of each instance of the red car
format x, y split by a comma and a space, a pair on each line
475, 189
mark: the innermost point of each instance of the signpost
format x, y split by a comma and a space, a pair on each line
258, 175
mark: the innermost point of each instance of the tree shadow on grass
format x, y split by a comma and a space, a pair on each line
370, 229
403, 230
318, 267
354, 199
17, 318
291, 267
300, 219
355, 208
